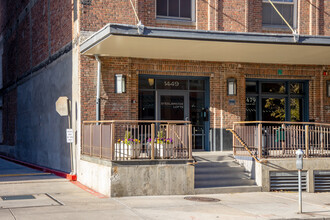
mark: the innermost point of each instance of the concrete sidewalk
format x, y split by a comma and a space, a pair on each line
57, 198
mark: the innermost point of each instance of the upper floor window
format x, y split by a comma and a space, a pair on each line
288, 8
182, 9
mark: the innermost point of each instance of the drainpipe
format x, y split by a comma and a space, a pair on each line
98, 88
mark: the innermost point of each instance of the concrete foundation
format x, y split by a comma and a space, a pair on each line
262, 171
137, 178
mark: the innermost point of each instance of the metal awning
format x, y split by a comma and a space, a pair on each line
120, 40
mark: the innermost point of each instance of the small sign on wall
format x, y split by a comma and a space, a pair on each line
232, 101
69, 136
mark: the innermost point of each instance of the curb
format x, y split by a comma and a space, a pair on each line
44, 169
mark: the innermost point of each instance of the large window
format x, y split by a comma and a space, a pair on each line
288, 8
182, 9
276, 100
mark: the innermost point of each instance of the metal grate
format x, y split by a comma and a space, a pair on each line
201, 199
286, 181
322, 181
18, 197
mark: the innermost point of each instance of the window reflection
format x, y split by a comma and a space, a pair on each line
273, 109
273, 88
296, 109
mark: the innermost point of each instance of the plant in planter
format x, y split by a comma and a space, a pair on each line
127, 147
163, 146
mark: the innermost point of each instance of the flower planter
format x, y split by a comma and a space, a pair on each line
164, 150
127, 151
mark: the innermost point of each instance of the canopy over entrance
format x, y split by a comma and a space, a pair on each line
163, 43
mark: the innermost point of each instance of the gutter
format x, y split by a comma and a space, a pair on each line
98, 88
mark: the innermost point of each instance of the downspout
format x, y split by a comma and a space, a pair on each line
98, 88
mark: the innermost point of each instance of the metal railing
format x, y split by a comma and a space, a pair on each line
137, 139
281, 139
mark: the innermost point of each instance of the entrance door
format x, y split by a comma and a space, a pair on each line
172, 105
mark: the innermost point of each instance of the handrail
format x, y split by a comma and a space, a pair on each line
281, 122
281, 139
139, 121
246, 147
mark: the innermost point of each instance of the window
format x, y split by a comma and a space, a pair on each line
276, 100
328, 88
182, 9
288, 8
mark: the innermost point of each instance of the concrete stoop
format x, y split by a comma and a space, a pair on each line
218, 172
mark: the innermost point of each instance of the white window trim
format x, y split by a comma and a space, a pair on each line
193, 13
295, 10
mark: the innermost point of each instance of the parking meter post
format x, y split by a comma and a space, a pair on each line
299, 165
300, 194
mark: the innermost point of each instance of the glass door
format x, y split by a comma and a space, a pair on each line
172, 105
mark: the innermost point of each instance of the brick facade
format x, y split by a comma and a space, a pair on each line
32, 32
225, 15
120, 106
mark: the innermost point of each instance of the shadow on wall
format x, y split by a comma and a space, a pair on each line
41, 131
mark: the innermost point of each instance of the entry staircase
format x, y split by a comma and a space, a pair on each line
218, 172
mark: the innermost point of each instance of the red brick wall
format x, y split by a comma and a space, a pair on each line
23, 49
39, 32
61, 24
120, 106
224, 15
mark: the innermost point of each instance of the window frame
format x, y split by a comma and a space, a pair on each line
259, 95
295, 13
192, 17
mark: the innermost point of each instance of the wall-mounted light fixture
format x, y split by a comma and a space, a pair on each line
151, 81
328, 88
231, 86
120, 83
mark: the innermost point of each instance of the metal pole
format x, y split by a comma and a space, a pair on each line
300, 194
98, 82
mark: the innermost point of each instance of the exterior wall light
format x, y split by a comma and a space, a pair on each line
120, 83
328, 88
151, 81
231, 86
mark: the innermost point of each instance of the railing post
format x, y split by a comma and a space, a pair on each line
190, 141
307, 140
260, 140
90, 139
100, 140
152, 141
234, 140
112, 141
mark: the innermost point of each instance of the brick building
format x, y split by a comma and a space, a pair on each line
215, 62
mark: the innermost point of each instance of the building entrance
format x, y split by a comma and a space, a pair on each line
177, 98
172, 105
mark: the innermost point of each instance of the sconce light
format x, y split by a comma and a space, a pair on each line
231, 86
328, 88
151, 81
120, 83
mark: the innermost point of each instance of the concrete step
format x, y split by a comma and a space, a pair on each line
223, 182
230, 189
218, 164
220, 173
213, 158
226, 175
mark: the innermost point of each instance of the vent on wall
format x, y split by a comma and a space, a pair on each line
286, 181
322, 181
